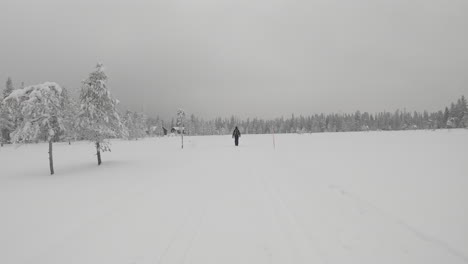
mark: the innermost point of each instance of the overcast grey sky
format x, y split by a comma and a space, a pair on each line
261, 58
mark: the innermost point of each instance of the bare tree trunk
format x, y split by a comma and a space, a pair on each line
51, 159
182, 134
98, 153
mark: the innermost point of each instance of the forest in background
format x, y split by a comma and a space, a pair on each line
453, 116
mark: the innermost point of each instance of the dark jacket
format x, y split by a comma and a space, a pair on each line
236, 133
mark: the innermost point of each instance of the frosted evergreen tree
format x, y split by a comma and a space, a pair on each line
8, 111
8, 88
463, 105
464, 121
446, 116
462, 111
136, 124
129, 121
71, 109
6, 125
42, 109
451, 123
180, 124
141, 124
191, 126
98, 118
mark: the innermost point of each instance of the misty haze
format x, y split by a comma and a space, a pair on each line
233, 131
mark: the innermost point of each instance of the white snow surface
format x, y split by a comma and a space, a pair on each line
370, 197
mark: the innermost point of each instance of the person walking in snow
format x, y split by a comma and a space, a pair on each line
236, 135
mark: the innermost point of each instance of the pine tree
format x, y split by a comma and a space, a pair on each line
71, 109
8, 88
135, 124
98, 117
5, 123
463, 112
446, 116
42, 108
181, 124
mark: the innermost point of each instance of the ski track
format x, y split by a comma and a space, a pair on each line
294, 230
178, 249
363, 203
177, 233
193, 238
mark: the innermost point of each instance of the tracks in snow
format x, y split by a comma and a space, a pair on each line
303, 248
178, 248
365, 205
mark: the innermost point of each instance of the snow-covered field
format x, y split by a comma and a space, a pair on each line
377, 197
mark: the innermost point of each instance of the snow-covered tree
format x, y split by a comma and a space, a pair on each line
98, 117
8, 88
6, 125
136, 124
462, 106
42, 109
464, 121
451, 122
71, 109
153, 125
181, 123
190, 126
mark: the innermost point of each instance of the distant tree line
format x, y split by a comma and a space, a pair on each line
455, 116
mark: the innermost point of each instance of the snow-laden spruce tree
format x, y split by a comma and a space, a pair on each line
180, 124
135, 124
98, 118
71, 110
6, 125
42, 111
8, 112
8, 88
